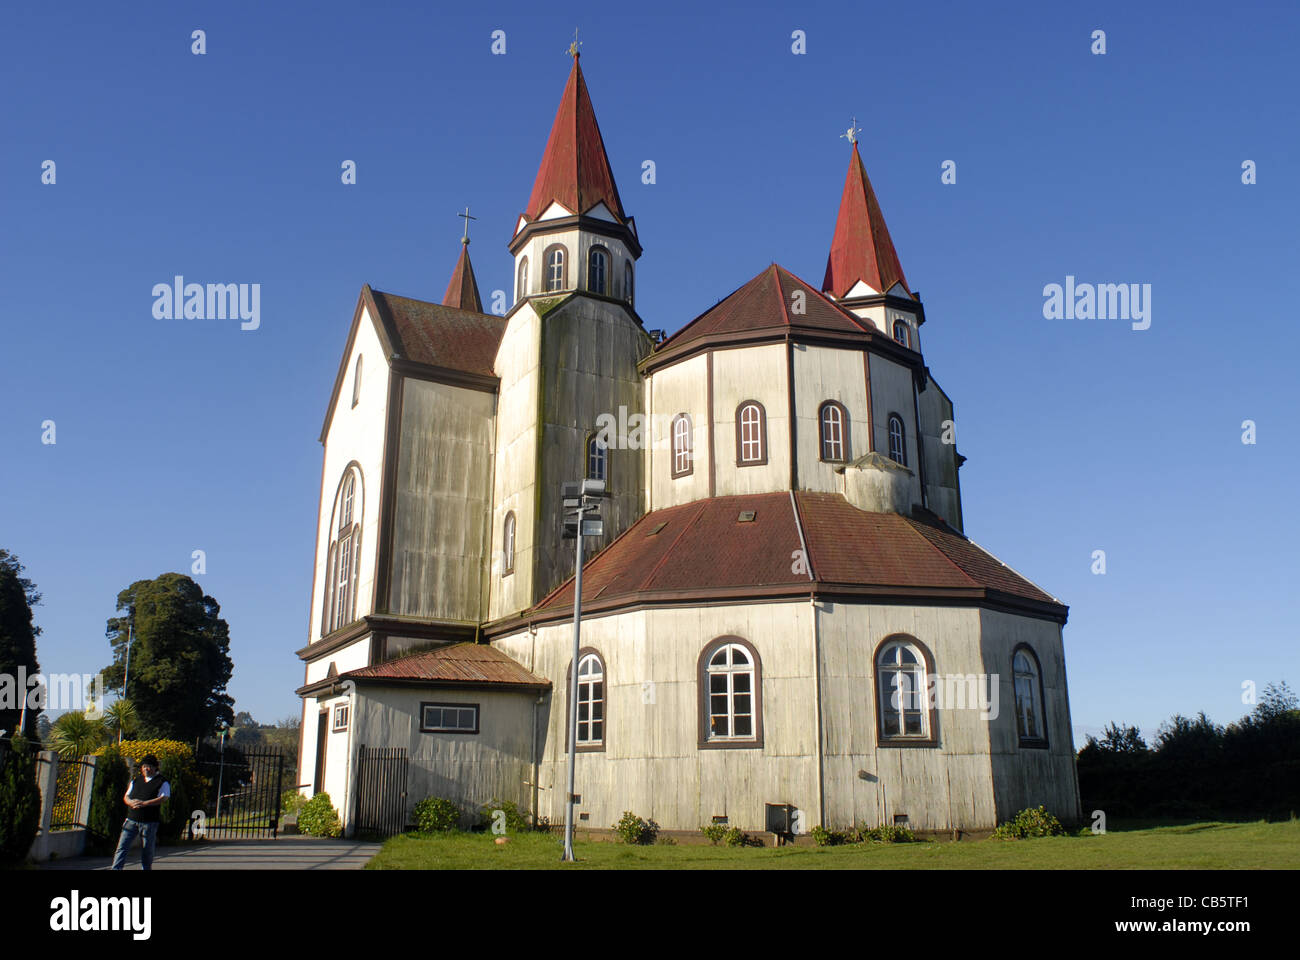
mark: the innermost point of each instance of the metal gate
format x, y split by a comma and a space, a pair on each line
242, 795
381, 791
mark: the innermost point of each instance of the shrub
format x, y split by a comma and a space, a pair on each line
826, 838
886, 833
735, 837
516, 820
318, 818
632, 829
434, 814
1029, 823
20, 802
107, 811
176, 763
715, 832
291, 802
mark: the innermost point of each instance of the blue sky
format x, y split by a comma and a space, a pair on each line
176, 435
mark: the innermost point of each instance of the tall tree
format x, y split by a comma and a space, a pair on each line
17, 636
180, 657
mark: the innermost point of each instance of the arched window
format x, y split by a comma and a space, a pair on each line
356, 382
834, 432
682, 463
897, 452
751, 434
508, 545
591, 700
597, 270
343, 558
597, 459
901, 333
627, 280
522, 290
731, 703
557, 274
1030, 721
903, 705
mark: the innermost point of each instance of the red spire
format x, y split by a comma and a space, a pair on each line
462, 292
861, 249
575, 170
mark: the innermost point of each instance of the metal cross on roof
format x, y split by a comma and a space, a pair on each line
468, 218
851, 135
573, 47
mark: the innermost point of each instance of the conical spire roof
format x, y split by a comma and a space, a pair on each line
575, 170
861, 249
462, 291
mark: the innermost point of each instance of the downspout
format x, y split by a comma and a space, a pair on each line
537, 702
351, 687
817, 669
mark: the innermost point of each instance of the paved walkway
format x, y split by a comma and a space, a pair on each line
284, 853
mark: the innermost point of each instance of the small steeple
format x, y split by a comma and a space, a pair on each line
462, 291
861, 249
575, 170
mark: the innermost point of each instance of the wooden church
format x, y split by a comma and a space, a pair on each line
782, 614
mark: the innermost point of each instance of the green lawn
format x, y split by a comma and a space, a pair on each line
1198, 845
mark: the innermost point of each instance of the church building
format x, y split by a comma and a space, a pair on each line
782, 612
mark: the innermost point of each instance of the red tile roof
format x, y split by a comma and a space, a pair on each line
462, 291
440, 336
472, 664
703, 548
861, 248
769, 301
575, 169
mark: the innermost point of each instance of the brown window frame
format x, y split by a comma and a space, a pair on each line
546, 267
1030, 743
844, 431
568, 716
931, 738
689, 450
702, 684
902, 438
603, 250
762, 435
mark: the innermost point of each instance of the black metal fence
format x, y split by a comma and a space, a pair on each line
381, 791
242, 799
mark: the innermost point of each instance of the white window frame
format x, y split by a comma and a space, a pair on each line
521, 282
598, 270
589, 699
337, 725
900, 699
682, 464
462, 709
751, 433
897, 450
597, 459
901, 326
555, 270
1028, 680
832, 438
356, 382
730, 670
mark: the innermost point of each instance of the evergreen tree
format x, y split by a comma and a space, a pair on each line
17, 638
180, 657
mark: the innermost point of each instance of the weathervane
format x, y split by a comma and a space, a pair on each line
851, 134
468, 218
573, 47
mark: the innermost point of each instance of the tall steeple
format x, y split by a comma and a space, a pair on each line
575, 170
574, 235
861, 251
462, 291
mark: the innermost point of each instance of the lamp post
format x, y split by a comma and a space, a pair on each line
581, 500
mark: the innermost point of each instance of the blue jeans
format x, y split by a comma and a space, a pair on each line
148, 834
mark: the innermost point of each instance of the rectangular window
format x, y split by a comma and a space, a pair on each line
340, 717
449, 718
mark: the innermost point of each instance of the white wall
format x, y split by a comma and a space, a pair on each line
354, 433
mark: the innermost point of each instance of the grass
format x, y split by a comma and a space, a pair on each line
1208, 846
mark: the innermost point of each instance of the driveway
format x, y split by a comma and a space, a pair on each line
292, 852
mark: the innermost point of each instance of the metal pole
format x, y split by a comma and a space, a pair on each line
573, 696
221, 775
127, 673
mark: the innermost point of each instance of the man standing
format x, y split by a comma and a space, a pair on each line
144, 798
